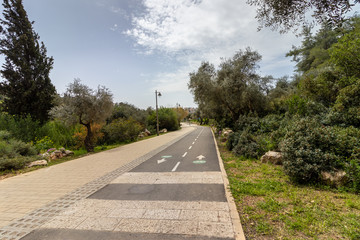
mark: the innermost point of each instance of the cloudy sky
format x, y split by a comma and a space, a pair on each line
135, 47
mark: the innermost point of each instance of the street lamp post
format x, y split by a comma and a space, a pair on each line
157, 113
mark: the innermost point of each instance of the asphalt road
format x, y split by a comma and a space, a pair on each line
176, 194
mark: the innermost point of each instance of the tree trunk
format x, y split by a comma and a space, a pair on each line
88, 139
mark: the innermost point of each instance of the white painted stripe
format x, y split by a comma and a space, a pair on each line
184, 154
190, 147
193, 143
176, 166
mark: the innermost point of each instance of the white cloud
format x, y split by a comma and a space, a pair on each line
120, 12
114, 27
193, 31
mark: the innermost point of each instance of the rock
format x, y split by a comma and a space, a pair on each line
272, 157
147, 132
336, 178
163, 130
225, 134
38, 163
58, 153
62, 150
45, 155
69, 153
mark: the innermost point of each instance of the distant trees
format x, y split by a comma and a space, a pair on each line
82, 105
234, 89
285, 15
27, 88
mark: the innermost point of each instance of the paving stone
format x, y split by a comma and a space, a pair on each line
178, 227
196, 215
127, 213
161, 214
137, 225
98, 224
64, 222
216, 229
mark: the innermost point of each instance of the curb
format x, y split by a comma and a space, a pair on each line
235, 218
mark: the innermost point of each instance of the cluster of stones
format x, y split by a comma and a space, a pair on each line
144, 134
47, 157
57, 154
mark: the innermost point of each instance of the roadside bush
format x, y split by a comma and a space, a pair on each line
13, 148
5, 135
22, 128
60, 134
245, 144
80, 133
353, 171
16, 163
43, 144
121, 130
167, 119
309, 148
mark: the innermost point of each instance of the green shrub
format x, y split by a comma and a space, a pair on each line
59, 133
121, 130
309, 148
353, 171
5, 135
21, 148
22, 128
16, 163
14, 148
245, 145
44, 144
249, 122
167, 119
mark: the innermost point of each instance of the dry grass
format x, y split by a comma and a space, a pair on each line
271, 207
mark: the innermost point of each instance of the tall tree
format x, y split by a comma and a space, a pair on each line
232, 90
82, 105
26, 84
287, 14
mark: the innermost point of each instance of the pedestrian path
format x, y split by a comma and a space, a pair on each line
50, 190
115, 200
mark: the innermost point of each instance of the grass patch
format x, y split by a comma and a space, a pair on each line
271, 207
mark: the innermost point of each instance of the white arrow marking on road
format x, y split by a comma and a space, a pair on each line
200, 157
161, 161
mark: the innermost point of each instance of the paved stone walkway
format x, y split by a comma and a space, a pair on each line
64, 198
48, 190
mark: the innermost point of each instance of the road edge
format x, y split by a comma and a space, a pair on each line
235, 218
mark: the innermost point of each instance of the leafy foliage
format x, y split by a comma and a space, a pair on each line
285, 15
167, 119
233, 90
27, 87
82, 105
121, 130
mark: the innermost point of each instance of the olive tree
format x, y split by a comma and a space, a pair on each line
85, 106
285, 14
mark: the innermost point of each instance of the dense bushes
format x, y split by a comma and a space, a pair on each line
308, 146
167, 119
308, 149
121, 130
14, 154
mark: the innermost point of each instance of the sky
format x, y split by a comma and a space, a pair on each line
134, 47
